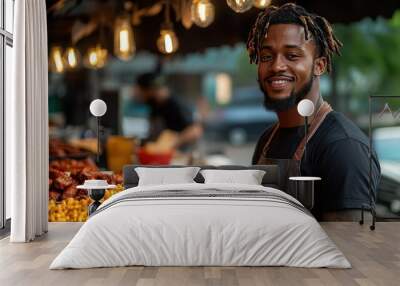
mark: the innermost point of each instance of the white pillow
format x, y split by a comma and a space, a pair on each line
163, 176
248, 177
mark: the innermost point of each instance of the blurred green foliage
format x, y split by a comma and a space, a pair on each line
370, 61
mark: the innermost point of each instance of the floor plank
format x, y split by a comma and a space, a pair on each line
374, 255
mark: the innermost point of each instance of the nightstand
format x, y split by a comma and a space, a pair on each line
305, 190
96, 190
96, 195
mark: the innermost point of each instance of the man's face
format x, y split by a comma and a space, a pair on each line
286, 66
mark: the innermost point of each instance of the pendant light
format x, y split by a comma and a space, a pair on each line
96, 57
240, 6
203, 12
167, 42
262, 4
124, 41
71, 58
56, 61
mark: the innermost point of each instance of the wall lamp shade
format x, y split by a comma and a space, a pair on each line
98, 107
305, 107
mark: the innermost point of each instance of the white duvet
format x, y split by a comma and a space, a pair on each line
200, 231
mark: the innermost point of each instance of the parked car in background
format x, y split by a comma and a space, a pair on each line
243, 120
386, 142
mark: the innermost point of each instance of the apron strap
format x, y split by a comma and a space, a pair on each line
266, 146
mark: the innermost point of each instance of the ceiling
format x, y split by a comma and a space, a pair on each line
227, 29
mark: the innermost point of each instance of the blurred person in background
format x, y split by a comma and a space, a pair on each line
293, 49
167, 112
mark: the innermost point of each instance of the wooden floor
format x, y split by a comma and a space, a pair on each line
375, 257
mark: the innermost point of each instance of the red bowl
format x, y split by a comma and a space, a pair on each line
146, 158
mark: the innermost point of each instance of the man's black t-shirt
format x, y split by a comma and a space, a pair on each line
338, 153
170, 114
285, 142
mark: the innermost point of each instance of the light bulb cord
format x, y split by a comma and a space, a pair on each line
167, 12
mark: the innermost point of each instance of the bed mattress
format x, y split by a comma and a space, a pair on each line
201, 225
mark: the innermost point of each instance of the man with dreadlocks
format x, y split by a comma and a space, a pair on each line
293, 48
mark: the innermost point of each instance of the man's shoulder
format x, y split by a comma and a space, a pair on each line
337, 127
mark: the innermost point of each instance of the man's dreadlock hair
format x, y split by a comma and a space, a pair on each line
316, 26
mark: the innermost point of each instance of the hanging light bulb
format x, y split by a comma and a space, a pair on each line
96, 57
167, 43
203, 13
71, 58
124, 41
56, 60
240, 6
261, 4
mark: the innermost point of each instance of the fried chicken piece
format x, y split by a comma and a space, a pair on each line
70, 192
64, 181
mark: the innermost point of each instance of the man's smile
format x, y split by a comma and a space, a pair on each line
277, 83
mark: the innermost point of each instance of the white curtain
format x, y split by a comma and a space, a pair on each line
27, 123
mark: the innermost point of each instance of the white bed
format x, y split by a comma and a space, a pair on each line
183, 230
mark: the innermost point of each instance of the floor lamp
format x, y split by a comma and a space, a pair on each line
305, 108
98, 108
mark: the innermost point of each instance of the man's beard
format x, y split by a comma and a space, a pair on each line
286, 103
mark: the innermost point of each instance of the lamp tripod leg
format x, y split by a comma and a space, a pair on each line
373, 212
362, 215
